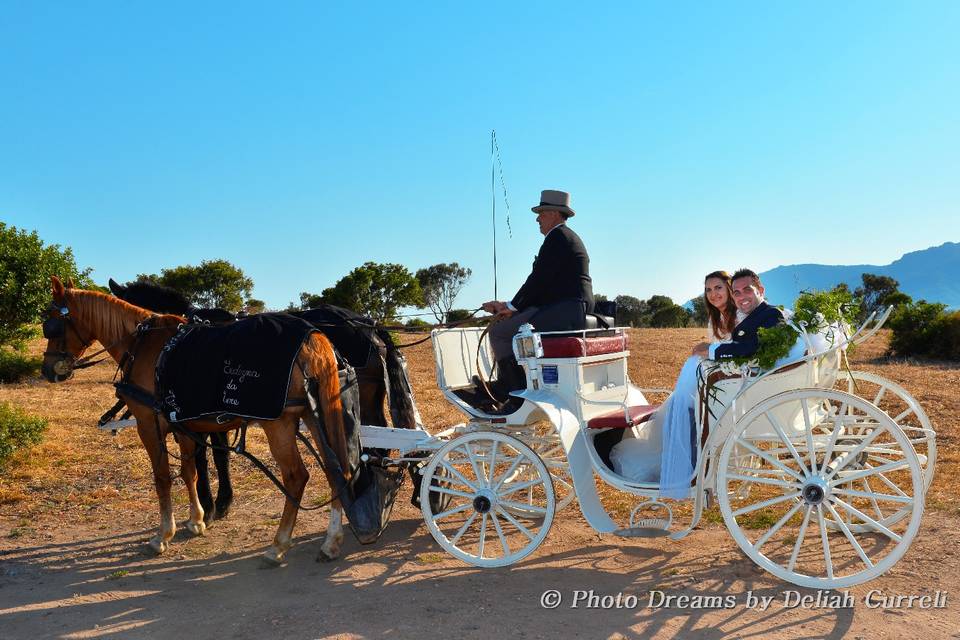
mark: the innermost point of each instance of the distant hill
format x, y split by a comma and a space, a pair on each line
930, 274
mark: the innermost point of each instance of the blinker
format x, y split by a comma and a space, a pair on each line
53, 328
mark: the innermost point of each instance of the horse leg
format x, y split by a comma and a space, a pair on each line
283, 445
203, 480
221, 458
188, 472
332, 541
147, 431
330, 548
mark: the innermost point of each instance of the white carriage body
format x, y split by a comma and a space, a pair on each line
577, 383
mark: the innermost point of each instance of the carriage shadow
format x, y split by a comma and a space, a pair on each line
397, 587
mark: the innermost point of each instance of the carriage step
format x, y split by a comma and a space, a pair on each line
649, 528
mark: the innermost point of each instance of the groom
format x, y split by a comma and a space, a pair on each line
748, 296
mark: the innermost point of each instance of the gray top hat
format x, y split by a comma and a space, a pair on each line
551, 200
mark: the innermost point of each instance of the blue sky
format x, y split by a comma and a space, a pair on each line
299, 140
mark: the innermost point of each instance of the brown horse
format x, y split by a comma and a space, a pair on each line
77, 318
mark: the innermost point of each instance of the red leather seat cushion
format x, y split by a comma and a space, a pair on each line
575, 347
615, 419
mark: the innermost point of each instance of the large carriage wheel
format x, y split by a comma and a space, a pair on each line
909, 416
477, 525
816, 477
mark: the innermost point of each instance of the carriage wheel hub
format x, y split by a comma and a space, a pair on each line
814, 492
482, 504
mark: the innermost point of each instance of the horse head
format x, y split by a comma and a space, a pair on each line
66, 342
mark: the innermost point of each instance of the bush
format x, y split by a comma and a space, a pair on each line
26, 265
925, 329
18, 430
948, 330
458, 315
417, 323
15, 366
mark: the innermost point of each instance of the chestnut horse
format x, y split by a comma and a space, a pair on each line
76, 318
368, 348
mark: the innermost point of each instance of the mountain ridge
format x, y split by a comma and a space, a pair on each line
931, 274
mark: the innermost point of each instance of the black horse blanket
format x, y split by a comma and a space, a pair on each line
241, 369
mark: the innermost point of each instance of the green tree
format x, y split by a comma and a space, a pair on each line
877, 292
214, 283
309, 300
252, 305
698, 316
630, 310
440, 284
663, 312
375, 290
26, 265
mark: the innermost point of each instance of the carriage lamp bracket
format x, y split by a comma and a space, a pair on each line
527, 345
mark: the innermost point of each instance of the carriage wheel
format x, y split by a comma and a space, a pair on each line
477, 525
550, 450
909, 416
815, 477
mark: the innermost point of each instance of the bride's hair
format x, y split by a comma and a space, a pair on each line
721, 323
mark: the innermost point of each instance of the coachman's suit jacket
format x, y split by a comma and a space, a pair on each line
745, 338
561, 271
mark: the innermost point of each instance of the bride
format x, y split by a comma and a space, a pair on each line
672, 429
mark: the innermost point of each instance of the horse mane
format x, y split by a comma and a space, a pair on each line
155, 297
108, 317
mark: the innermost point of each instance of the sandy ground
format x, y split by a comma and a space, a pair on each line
75, 514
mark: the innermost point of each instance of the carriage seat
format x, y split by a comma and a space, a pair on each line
617, 420
598, 321
578, 346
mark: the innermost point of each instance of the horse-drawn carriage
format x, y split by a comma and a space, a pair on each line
819, 472
816, 482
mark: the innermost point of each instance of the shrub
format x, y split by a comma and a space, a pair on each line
15, 366
18, 430
920, 329
948, 329
417, 323
458, 315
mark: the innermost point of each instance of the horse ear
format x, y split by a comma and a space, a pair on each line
69, 283
57, 287
115, 288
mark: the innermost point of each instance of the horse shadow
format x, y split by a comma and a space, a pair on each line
405, 584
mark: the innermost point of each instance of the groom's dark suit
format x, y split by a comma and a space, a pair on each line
745, 339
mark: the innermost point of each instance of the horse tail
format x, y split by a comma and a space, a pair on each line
402, 409
322, 364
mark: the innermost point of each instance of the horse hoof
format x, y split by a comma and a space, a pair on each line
209, 517
221, 512
323, 556
197, 529
272, 558
157, 545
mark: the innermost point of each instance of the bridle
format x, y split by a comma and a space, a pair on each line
55, 327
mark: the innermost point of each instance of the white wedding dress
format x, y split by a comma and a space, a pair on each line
663, 450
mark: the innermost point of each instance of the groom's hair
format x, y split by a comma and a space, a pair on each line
746, 273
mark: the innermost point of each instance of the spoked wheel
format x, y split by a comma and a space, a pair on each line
478, 526
905, 411
814, 510
550, 450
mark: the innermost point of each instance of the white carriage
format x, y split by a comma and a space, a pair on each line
819, 472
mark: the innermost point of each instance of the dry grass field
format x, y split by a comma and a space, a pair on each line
75, 513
